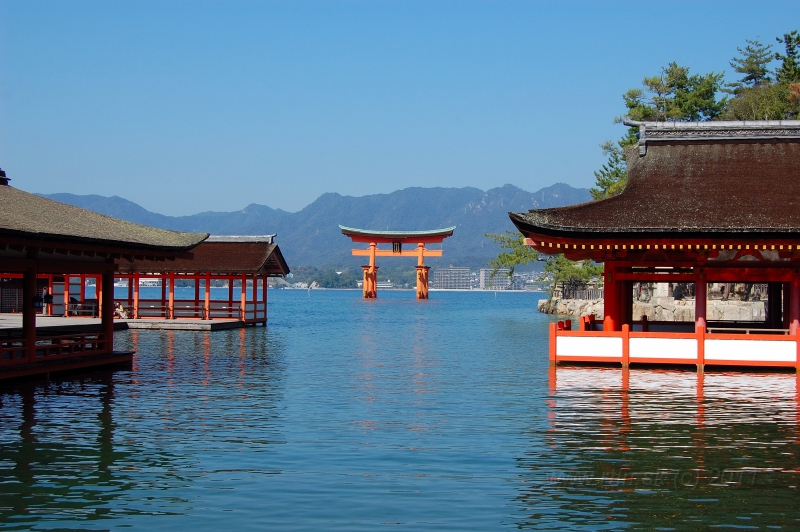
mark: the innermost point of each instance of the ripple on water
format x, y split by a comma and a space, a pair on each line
349, 414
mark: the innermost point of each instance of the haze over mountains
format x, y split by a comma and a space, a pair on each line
311, 236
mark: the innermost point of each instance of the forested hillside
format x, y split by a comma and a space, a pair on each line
312, 236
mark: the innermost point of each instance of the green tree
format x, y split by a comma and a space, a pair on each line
768, 101
758, 95
789, 70
753, 65
613, 176
674, 95
572, 275
330, 278
517, 252
566, 273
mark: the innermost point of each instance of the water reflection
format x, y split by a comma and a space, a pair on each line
123, 444
665, 448
61, 464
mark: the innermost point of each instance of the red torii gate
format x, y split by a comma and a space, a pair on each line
396, 239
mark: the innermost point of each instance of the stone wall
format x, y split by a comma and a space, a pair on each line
660, 309
572, 307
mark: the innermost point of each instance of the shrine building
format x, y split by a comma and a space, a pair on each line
41, 238
222, 261
706, 202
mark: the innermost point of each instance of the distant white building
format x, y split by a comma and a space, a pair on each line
500, 281
451, 278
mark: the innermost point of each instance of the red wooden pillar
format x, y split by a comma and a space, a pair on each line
171, 314
66, 295
230, 295
365, 285
130, 295
135, 281
164, 279
700, 300
626, 345
243, 298
28, 312
611, 321
107, 308
264, 289
197, 296
208, 295
422, 282
794, 307
98, 294
49, 307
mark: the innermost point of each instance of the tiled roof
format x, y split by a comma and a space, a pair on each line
742, 178
229, 255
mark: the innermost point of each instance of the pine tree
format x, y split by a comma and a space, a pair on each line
753, 65
613, 176
789, 71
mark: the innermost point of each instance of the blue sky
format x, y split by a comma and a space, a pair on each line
191, 106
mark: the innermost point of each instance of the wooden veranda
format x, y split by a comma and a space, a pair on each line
238, 265
44, 238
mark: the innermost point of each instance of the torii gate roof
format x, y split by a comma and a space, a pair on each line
387, 237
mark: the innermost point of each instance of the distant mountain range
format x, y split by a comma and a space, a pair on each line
311, 236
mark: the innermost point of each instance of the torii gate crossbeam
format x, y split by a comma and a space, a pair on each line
397, 239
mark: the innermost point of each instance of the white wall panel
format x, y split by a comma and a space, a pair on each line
751, 350
672, 348
588, 346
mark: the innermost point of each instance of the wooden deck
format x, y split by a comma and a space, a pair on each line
77, 343
11, 324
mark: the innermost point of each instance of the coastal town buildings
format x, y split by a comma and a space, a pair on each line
452, 278
707, 202
499, 281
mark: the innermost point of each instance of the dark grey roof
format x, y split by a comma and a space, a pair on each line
227, 255
745, 181
31, 217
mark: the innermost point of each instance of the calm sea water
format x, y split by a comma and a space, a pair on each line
346, 414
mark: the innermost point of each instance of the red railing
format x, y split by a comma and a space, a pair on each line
156, 308
52, 348
748, 347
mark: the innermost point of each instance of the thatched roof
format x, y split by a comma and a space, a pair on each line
32, 218
710, 179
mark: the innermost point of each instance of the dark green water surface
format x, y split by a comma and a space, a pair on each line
395, 414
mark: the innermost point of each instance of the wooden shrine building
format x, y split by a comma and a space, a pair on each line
221, 261
706, 202
396, 239
39, 238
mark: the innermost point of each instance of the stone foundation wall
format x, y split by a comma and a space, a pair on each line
572, 307
660, 309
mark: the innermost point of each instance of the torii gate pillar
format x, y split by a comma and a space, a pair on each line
422, 282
